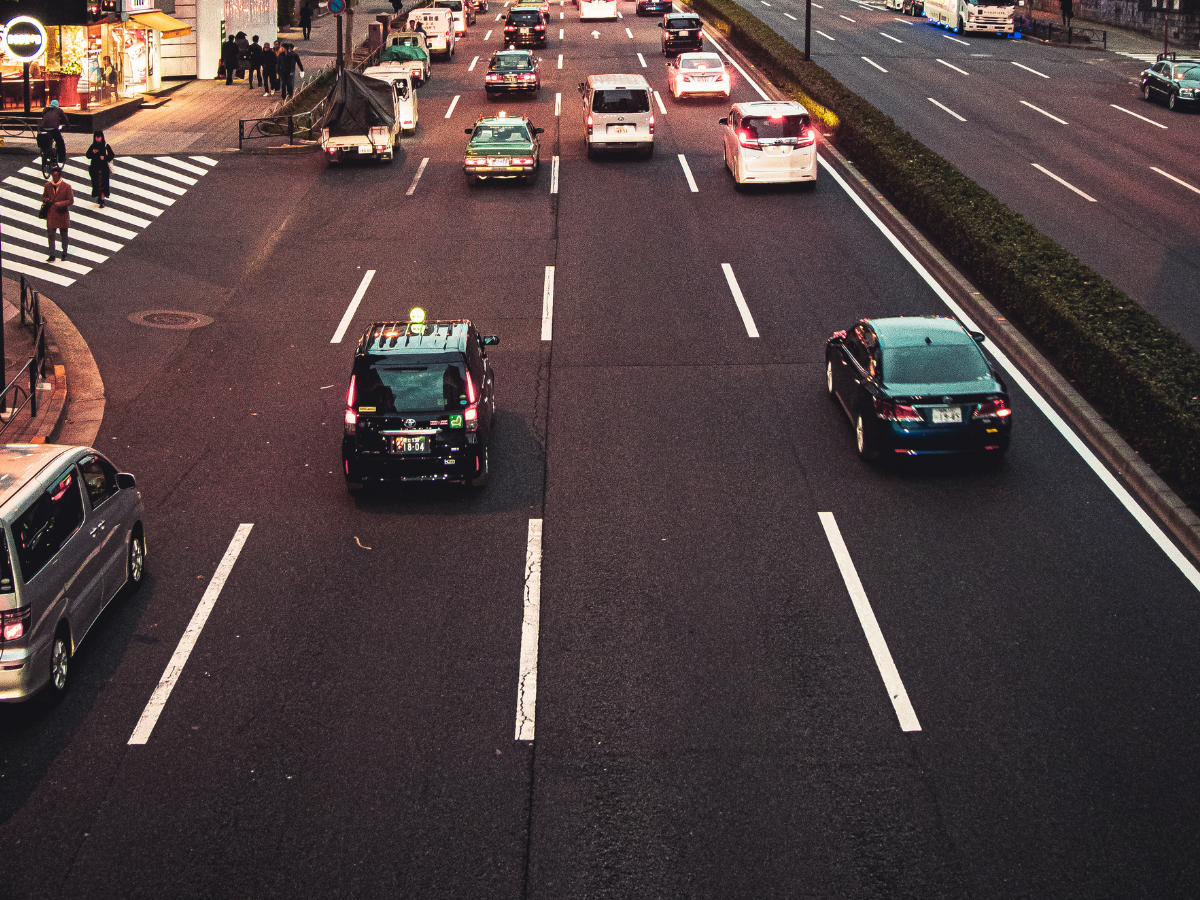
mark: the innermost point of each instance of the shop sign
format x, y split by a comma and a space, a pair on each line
24, 39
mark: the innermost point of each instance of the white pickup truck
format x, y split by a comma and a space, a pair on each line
398, 76
363, 119
411, 49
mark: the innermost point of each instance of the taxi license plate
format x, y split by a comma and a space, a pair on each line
498, 161
944, 415
363, 148
510, 78
418, 444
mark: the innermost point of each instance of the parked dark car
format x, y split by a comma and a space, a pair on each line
1176, 82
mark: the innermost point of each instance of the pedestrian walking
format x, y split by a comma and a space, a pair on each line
57, 198
270, 70
229, 57
288, 63
243, 47
100, 156
255, 63
306, 19
1068, 12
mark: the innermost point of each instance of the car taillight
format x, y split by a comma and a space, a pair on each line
539, 27
745, 140
529, 78
896, 412
471, 413
523, 161
351, 417
994, 407
589, 124
807, 138
510, 27
652, 123
492, 78
14, 623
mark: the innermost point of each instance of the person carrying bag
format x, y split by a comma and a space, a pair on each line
100, 160
57, 199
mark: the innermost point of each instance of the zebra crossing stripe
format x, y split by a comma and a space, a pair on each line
40, 240
118, 184
38, 272
76, 235
204, 159
18, 250
179, 163
79, 187
159, 170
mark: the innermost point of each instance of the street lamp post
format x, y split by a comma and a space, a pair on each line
807, 28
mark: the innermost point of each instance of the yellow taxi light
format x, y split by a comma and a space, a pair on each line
416, 315
502, 115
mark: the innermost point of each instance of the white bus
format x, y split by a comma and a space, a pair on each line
995, 16
597, 9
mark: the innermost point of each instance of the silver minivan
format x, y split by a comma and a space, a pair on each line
618, 115
72, 535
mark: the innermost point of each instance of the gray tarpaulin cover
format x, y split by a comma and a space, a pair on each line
358, 103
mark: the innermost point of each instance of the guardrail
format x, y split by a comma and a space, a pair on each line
1046, 30
34, 369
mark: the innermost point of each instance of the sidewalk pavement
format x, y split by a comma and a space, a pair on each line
21, 428
1119, 40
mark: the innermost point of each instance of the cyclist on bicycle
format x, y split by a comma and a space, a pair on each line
50, 129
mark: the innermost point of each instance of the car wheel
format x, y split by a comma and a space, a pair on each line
60, 661
864, 440
485, 470
1172, 102
1146, 91
135, 570
472, 181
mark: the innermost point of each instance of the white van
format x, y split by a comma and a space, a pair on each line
618, 112
439, 28
398, 76
770, 141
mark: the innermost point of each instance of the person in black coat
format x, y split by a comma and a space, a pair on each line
99, 156
1067, 13
243, 46
270, 71
288, 63
229, 58
306, 19
255, 63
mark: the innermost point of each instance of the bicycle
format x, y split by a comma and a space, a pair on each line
54, 155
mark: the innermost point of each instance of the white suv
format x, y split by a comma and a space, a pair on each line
770, 141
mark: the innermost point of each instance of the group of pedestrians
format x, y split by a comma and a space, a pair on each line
275, 66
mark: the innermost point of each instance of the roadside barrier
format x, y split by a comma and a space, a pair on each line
34, 369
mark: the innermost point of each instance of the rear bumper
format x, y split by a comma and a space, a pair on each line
17, 674
498, 171
971, 437
629, 143
526, 88
525, 40
677, 46
460, 465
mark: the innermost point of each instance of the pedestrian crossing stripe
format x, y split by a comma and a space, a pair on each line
143, 188
1153, 57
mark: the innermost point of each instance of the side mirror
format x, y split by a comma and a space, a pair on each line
488, 340
468, 131
539, 131
125, 481
979, 336
660, 25
724, 120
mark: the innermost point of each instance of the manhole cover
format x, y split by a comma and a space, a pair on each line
170, 318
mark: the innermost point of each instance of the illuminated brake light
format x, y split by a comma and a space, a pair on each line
807, 138
471, 397
652, 123
589, 124
351, 418
896, 412
14, 631
993, 407
745, 140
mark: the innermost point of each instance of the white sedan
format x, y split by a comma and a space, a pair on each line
697, 73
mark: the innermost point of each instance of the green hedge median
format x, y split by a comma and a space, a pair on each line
1145, 376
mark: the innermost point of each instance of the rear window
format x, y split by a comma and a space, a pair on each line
501, 134
512, 63
764, 128
455, 5
682, 22
412, 384
704, 62
525, 17
934, 364
621, 101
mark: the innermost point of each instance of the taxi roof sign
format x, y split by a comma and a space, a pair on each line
416, 315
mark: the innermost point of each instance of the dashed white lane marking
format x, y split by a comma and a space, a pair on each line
870, 626
956, 40
471, 67
619, 16
954, 67
942, 106
630, 33
890, 38
488, 36
453, 103
558, 104
158, 700
847, 18
1027, 69
530, 624
1190, 187
687, 173
875, 64
818, 6
352, 308
1130, 112
905, 21
561, 16
417, 177
554, 175
499, 17
824, 35
662, 109
747, 319
642, 60
1044, 113
1064, 183
764, 2
733, 62
548, 304
790, 16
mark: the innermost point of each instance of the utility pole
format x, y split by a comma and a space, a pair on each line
340, 61
807, 28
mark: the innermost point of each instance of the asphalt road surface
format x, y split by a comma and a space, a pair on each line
712, 717
1061, 135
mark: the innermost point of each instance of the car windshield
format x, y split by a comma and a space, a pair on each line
525, 17
767, 128
512, 62
682, 22
1187, 73
702, 62
455, 5
934, 364
501, 134
413, 384
621, 100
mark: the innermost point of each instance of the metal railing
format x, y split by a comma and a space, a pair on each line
34, 370
1046, 30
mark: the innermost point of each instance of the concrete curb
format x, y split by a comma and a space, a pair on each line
81, 409
1145, 484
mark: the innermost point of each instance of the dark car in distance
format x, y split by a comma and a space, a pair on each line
653, 7
513, 72
525, 25
1176, 82
420, 404
916, 385
681, 32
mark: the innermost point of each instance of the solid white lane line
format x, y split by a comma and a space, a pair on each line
630, 33
790, 16
1027, 69
824, 35
619, 16
560, 60
818, 6
875, 64
662, 109
747, 319
180, 164
204, 159
471, 67
453, 103
488, 36
40, 256
530, 623
1190, 187
39, 240
956, 40
38, 272
890, 38
733, 62
417, 177
1044, 113
548, 304
847, 18
1076, 443
158, 170
870, 626
955, 68
78, 235
642, 60
191, 634
687, 173
554, 175
352, 308
1130, 112
1064, 183
946, 108
558, 104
